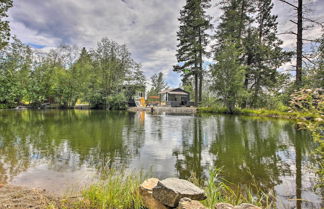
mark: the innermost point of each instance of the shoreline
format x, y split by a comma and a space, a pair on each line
176, 110
263, 113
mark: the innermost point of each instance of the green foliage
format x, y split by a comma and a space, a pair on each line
114, 71
158, 84
252, 28
219, 190
117, 101
118, 190
4, 23
228, 75
63, 77
193, 39
264, 55
15, 66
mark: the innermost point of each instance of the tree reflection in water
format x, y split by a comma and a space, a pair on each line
269, 153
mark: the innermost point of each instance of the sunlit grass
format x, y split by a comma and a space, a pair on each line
259, 112
118, 190
218, 190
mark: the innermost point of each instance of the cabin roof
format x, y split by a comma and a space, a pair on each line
177, 91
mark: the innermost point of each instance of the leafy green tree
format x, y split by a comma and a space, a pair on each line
228, 75
193, 40
158, 84
51, 79
40, 86
83, 75
15, 68
112, 67
4, 23
134, 83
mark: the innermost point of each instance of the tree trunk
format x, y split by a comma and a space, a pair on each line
299, 63
241, 21
196, 83
200, 82
200, 68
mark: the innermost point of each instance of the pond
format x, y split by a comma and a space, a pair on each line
61, 150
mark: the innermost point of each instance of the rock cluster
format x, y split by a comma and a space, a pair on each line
179, 194
171, 193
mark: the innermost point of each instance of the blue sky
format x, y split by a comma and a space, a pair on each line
148, 27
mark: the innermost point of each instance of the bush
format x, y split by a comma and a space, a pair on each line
117, 102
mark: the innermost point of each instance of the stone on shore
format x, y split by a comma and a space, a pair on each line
187, 203
242, 206
169, 191
224, 206
146, 189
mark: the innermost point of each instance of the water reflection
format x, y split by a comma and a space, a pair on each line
50, 148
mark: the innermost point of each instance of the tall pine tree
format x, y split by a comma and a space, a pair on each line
230, 35
193, 40
264, 54
252, 27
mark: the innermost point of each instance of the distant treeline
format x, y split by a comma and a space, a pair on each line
105, 77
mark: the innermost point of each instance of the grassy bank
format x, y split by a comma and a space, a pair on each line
261, 113
120, 190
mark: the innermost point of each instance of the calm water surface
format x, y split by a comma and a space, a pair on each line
60, 150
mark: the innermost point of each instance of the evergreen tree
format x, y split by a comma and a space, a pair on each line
192, 39
252, 27
234, 22
234, 27
264, 53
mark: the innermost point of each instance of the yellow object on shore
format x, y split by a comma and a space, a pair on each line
142, 101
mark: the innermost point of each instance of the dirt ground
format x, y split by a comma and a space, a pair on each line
23, 198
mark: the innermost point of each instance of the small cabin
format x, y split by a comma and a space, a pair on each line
176, 97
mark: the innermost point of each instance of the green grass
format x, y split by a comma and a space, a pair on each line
218, 190
260, 112
118, 190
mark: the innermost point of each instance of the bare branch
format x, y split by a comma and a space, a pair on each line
293, 22
290, 4
309, 60
313, 21
311, 40
287, 33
